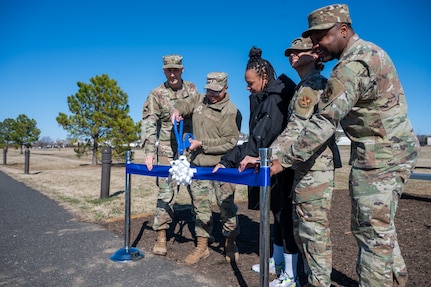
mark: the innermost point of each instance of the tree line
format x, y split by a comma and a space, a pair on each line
99, 116
20, 132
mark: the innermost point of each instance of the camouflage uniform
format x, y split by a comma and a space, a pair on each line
365, 95
214, 124
313, 184
157, 134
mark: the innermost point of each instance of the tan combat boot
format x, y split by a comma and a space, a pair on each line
160, 245
200, 252
231, 250
400, 279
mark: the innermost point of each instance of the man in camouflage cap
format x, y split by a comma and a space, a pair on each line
173, 62
216, 81
326, 18
215, 132
365, 96
159, 141
312, 188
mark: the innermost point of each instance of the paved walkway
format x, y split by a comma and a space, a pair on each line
41, 244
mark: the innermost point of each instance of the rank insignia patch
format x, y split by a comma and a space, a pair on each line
305, 102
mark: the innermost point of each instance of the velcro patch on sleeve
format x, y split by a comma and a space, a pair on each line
333, 89
304, 105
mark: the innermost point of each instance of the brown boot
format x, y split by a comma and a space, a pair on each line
231, 250
400, 279
160, 245
200, 252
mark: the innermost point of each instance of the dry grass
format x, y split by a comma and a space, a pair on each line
76, 184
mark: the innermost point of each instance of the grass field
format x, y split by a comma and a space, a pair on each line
76, 184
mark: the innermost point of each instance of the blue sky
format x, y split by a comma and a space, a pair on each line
46, 47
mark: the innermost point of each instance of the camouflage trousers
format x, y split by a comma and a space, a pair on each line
165, 198
202, 193
375, 194
312, 202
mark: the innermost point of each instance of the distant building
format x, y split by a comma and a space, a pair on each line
424, 139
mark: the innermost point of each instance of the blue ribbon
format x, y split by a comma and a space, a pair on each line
232, 175
182, 143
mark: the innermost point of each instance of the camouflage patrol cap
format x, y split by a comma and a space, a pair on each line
173, 62
299, 44
216, 81
326, 17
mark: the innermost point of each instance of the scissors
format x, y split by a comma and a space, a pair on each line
182, 143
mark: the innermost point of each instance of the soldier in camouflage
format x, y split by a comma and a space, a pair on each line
216, 126
314, 178
365, 96
159, 141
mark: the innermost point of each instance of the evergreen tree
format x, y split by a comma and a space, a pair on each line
6, 128
20, 132
99, 117
25, 132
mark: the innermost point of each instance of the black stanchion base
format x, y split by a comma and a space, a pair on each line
127, 254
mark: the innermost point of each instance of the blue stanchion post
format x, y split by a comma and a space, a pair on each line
127, 253
264, 231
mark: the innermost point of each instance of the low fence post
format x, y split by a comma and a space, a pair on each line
106, 172
5, 155
26, 161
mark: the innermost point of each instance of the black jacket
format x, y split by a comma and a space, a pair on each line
268, 118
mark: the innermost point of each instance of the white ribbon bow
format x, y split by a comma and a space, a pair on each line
181, 172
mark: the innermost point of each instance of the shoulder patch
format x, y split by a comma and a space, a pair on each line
333, 89
304, 104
